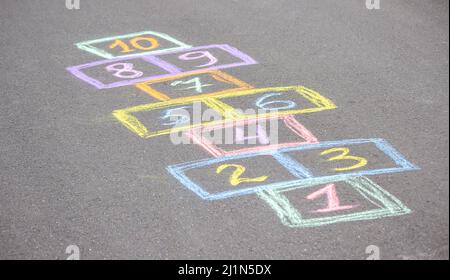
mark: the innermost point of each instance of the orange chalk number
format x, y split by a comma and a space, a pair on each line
136, 43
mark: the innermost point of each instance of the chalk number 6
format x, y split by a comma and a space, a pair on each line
235, 178
361, 162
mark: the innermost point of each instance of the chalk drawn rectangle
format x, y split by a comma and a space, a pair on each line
304, 135
387, 205
219, 77
379, 144
90, 47
242, 173
167, 69
79, 71
313, 101
304, 175
231, 56
179, 172
127, 117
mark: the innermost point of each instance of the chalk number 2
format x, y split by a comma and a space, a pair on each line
235, 178
344, 155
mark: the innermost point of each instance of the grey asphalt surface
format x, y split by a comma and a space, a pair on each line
70, 174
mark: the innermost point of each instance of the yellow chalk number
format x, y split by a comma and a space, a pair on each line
235, 178
344, 155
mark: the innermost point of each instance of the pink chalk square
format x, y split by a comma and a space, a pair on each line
301, 134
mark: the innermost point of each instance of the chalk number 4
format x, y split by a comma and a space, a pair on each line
235, 178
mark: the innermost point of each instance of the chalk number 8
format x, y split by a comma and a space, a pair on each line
124, 71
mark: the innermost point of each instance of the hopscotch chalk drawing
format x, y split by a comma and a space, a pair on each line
178, 76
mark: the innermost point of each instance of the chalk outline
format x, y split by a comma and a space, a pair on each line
229, 113
88, 45
155, 60
321, 102
292, 165
215, 74
289, 121
388, 205
127, 119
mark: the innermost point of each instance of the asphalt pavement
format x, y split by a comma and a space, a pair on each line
71, 174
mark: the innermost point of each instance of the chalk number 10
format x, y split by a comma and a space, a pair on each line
136, 43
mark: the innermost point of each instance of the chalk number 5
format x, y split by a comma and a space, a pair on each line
344, 155
235, 178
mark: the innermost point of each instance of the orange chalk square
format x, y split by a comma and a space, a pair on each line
207, 83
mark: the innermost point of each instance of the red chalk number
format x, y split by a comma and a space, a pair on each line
333, 200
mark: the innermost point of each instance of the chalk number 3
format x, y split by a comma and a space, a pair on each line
235, 178
344, 155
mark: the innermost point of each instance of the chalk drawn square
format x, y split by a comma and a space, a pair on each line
203, 84
219, 56
272, 127
226, 176
141, 68
347, 157
363, 156
386, 205
106, 78
151, 120
163, 41
291, 100
304, 176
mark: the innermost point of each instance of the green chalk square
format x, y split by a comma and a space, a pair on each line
388, 205
89, 45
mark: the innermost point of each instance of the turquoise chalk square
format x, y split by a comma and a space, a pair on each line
387, 205
90, 47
